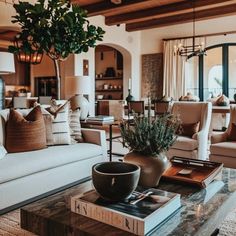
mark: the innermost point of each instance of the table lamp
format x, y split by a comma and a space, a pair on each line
7, 66
78, 86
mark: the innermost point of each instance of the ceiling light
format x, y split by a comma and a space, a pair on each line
196, 49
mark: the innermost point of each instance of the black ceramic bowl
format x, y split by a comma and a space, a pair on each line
115, 181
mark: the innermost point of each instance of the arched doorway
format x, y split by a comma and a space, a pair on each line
112, 72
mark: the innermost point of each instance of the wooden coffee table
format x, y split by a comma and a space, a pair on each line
201, 213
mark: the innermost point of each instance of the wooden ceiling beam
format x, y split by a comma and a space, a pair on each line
152, 12
182, 18
107, 6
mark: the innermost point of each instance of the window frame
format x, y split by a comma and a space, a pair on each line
225, 65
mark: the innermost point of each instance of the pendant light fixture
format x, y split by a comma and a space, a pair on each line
27, 51
196, 49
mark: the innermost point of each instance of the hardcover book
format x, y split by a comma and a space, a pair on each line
138, 217
100, 118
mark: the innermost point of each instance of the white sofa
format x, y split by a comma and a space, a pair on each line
28, 176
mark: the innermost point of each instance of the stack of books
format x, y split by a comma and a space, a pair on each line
138, 215
100, 118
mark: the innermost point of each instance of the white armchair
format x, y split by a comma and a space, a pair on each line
222, 149
195, 146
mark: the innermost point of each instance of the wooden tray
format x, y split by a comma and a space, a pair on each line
202, 172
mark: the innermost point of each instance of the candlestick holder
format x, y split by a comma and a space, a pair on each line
129, 98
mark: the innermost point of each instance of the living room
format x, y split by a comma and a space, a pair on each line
175, 53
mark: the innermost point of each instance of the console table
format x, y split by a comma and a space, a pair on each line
201, 213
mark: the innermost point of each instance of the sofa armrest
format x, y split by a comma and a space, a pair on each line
218, 138
96, 137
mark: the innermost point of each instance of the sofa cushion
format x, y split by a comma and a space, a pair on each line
224, 149
25, 133
185, 143
17, 165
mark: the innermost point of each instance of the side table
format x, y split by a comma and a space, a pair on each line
86, 123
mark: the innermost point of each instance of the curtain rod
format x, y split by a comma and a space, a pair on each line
202, 35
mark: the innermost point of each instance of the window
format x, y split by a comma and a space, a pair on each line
214, 74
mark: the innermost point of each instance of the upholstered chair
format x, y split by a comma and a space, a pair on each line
194, 145
223, 148
20, 102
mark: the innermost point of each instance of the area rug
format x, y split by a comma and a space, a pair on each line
10, 225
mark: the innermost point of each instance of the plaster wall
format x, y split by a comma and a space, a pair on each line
151, 40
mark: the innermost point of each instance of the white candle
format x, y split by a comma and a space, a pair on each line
130, 83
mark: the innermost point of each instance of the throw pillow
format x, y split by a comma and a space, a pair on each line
60, 123
232, 133
188, 129
25, 133
75, 125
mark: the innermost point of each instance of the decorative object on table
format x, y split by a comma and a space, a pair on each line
152, 207
166, 99
129, 98
191, 171
79, 86
110, 72
223, 101
7, 66
100, 118
148, 140
189, 98
64, 27
115, 181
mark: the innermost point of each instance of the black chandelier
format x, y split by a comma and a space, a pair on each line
196, 49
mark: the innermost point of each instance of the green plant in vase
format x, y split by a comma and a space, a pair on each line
54, 27
148, 140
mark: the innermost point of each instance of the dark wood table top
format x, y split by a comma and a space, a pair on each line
202, 212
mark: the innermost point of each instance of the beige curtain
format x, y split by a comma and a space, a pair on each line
174, 70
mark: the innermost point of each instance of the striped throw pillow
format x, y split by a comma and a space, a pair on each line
60, 124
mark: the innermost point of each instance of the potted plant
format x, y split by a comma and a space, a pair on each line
56, 28
148, 140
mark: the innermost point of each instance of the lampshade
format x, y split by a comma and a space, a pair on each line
77, 85
7, 64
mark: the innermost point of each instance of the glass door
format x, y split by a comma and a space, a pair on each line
213, 73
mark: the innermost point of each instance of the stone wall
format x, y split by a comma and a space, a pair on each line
152, 75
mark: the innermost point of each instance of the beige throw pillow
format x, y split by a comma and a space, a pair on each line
75, 125
60, 123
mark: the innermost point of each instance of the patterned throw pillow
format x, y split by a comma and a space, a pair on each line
25, 133
60, 123
75, 126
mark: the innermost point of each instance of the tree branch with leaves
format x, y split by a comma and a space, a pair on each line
56, 28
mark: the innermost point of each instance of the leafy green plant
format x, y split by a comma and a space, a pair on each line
55, 27
150, 137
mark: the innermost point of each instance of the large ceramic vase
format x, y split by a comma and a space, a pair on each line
152, 168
